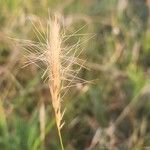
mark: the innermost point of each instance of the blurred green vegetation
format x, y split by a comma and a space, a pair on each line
111, 113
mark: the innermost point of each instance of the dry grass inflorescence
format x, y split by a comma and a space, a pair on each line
60, 64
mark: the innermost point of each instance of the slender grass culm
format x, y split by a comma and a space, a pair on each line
59, 60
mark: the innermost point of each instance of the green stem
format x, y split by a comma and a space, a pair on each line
60, 138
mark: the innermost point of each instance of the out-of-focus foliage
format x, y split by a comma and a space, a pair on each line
113, 112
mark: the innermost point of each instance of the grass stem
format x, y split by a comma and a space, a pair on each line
60, 139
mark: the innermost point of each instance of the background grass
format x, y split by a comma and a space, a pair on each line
113, 112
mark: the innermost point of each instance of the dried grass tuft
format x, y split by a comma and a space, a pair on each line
59, 60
